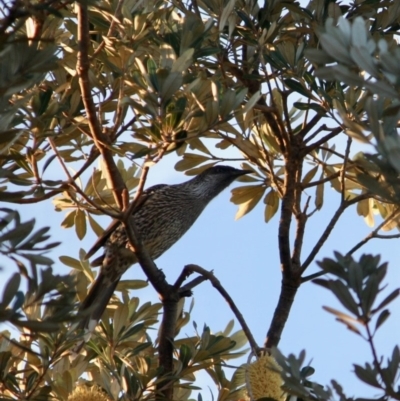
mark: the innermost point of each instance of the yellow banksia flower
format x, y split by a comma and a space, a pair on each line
85, 393
264, 379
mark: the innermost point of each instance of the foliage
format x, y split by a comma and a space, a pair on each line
288, 89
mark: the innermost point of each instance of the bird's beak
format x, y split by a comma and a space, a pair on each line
243, 172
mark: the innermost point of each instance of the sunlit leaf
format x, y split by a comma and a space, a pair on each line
247, 198
80, 224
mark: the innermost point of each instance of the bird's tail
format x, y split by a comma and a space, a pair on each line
97, 300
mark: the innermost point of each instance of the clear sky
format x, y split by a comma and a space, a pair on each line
244, 256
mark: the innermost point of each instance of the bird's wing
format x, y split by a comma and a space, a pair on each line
114, 224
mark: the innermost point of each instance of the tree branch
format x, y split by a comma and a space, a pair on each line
342, 207
188, 269
288, 292
344, 168
169, 298
101, 141
310, 125
318, 182
332, 134
374, 233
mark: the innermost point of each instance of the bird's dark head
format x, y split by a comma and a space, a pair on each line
215, 179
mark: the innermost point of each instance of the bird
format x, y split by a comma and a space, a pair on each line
163, 215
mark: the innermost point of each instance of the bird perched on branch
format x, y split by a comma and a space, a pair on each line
163, 215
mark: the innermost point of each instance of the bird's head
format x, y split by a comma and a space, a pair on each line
215, 179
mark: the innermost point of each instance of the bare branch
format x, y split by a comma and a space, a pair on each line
288, 292
387, 386
13, 196
286, 112
138, 193
218, 286
312, 276
332, 134
323, 127
322, 181
186, 290
301, 219
342, 207
344, 168
374, 233
310, 125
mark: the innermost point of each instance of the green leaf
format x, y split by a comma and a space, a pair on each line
189, 161
343, 294
182, 63
132, 285
170, 85
319, 194
80, 224
247, 197
69, 220
152, 71
19, 233
391, 297
347, 320
271, 201
35, 326
367, 375
10, 136
310, 175
38, 259
136, 329
382, 318
297, 87
31, 381
252, 101
71, 262
10, 289
185, 355
226, 12
310, 106
377, 187
97, 229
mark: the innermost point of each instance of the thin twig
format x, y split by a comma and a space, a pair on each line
322, 181
321, 128
186, 289
218, 286
286, 113
371, 235
312, 276
309, 126
387, 388
321, 241
374, 233
336, 131
138, 193
29, 201
301, 219
344, 168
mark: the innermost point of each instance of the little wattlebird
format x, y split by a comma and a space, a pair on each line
164, 213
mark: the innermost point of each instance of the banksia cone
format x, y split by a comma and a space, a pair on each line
264, 379
85, 393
